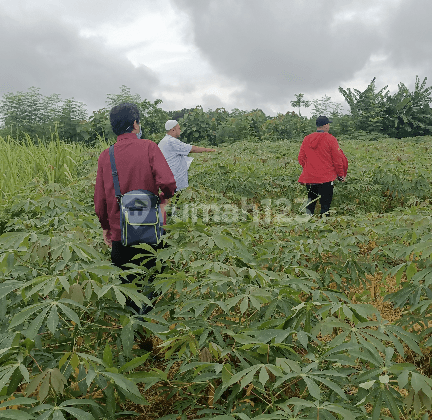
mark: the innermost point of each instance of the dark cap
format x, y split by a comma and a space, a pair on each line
322, 120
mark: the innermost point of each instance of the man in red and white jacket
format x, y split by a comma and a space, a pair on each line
323, 161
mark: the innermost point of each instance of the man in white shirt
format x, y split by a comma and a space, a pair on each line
176, 153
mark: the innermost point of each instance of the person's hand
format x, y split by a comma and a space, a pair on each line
107, 237
164, 202
341, 178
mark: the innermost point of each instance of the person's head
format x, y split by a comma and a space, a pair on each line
323, 123
172, 128
124, 118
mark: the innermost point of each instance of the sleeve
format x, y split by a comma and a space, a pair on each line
336, 156
162, 174
99, 197
302, 155
180, 147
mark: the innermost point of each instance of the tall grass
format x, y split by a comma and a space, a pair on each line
53, 161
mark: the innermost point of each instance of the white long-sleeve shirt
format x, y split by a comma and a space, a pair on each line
175, 152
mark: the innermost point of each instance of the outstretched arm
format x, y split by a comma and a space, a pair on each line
197, 149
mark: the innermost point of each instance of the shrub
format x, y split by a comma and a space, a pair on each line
286, 127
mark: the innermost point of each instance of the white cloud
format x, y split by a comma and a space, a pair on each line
241, 54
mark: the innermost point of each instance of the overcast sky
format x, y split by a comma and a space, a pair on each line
243, 54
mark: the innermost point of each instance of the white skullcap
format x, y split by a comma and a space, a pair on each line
170, 124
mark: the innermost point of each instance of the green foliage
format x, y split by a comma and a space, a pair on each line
32, 114
197, 126
234, 129
219, 115
177, 115
261, 334
383, 175
40, 117
245, 126
255, 314
48, 162
72, 122
29, 113
153, 118
60, 303
368, 107
379, 113
220, 127
299, 102
344, 127
99, 127
403, 114
287, 127
125, 95
325, 106
409, 113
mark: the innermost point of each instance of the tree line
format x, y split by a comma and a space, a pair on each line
373, 111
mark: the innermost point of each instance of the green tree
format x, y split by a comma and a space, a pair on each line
403, 114
325, 106
125, 95
153, 118
235, 112
100, 126
256, 119
219, 115
299, 102
197, 126
177, 115
72, 123
408, 113
39, 116
368, 108
286, 127
29, 112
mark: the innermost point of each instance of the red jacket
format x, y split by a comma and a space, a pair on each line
140, 165
321, 158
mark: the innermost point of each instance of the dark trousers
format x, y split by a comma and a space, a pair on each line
121, 255
322, 191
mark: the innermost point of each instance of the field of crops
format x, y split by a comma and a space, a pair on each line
263, 312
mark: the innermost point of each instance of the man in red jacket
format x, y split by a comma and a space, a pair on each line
140, 165
323, 162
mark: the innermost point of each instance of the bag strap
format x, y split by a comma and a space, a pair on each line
114, 174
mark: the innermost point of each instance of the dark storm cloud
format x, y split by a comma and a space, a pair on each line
409, 38
50, 54
279, 48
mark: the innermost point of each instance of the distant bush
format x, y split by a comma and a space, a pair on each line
374, 115
197, 126
287, 126
42, 117
234, 129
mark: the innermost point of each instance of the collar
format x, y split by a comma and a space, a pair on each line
127, 136
320, 131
